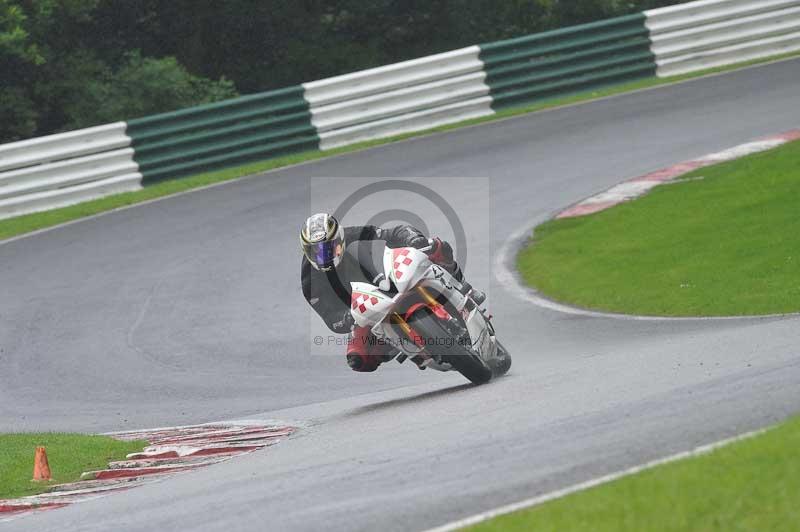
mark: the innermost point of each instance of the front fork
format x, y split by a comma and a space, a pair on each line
423, 359
397, 319
427, 297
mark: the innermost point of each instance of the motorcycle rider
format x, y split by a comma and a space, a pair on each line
329, 266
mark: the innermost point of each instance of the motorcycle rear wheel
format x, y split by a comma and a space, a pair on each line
433, 331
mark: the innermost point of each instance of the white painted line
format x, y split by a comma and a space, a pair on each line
231, 423
534, 501
74, 491
186, 460
622, 192
748, 148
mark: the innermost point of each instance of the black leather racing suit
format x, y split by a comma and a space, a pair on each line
329, 292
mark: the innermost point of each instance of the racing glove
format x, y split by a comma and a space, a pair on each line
441, 253
345, 325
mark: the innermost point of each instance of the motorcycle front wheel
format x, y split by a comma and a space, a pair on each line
502, 362
432, 330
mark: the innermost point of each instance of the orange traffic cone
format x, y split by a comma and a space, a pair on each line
41, 469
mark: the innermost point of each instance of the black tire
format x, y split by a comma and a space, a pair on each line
431, 328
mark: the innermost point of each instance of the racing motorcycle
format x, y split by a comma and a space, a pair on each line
419, 308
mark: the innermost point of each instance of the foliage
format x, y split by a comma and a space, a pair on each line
142, 86
74, 63
61, 69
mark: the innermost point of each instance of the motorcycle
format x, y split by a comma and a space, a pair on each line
430, 317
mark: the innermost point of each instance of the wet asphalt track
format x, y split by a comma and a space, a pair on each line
188, 310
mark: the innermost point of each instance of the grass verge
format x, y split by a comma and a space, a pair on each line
69, 455
31, 222
748, 485
725, 243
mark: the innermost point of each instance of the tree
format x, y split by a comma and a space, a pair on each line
143, 86
75, 63
62, 70
18, 56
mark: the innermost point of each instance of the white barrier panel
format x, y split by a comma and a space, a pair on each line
53, 199
63, 146
711, 33
399, 98
58, 170
408, 122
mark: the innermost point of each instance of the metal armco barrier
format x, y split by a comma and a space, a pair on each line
414, 95
712, 33
222, 134
571, 59
66, 168
408, 96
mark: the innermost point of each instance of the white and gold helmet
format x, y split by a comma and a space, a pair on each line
322, 240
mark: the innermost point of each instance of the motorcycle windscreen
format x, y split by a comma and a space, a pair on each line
405, 266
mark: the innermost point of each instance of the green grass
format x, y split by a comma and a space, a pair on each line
69, 455
751, 485
32, 222
727, 244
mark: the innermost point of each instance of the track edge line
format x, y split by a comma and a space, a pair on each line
582, 486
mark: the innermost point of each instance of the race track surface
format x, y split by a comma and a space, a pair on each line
189, 310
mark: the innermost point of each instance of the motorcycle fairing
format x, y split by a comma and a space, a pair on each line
408, 268
368, 305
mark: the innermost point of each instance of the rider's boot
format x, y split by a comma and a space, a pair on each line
363, 363
420, 360
442, 255
363, 351
478, 296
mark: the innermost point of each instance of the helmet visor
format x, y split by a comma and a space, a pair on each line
326, 254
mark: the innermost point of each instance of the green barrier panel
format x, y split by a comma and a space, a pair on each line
227, 133
567, 60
